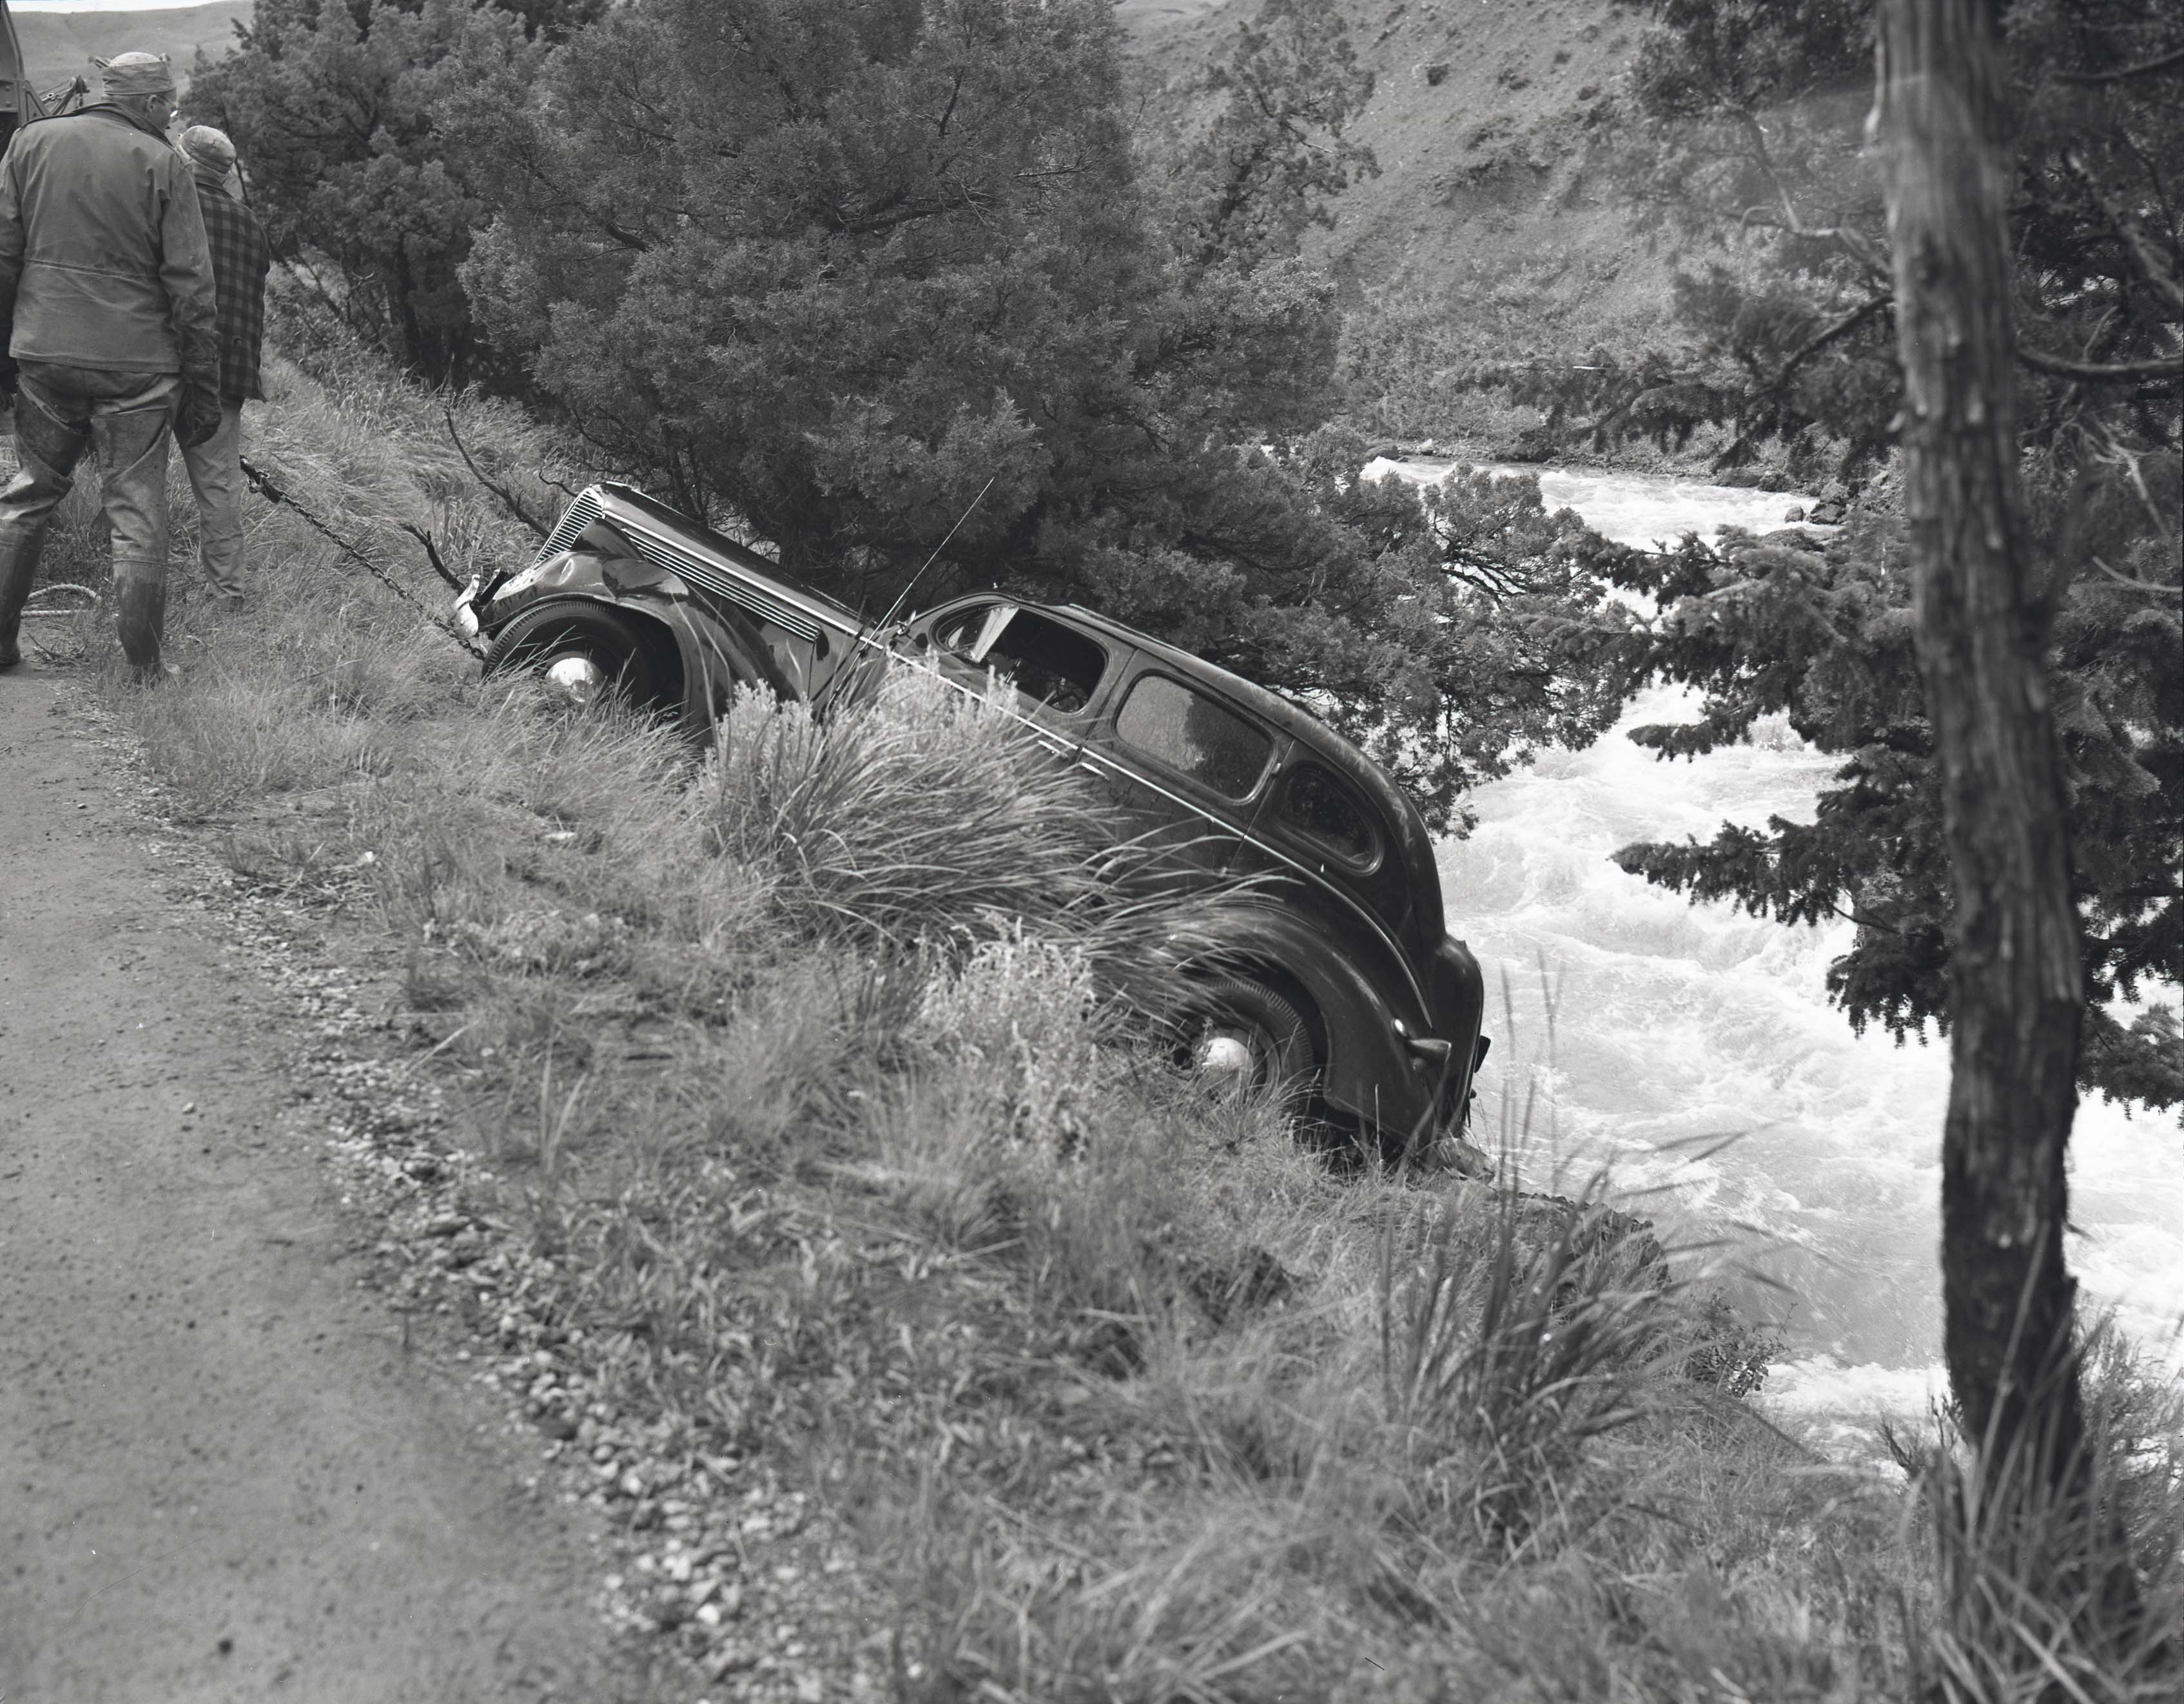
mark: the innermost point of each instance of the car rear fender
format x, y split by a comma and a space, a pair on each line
1361, 1021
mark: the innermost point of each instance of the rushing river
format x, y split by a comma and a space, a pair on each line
1675, 1025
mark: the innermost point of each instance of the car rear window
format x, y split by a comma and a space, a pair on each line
1048, 663
1188, 732
1317, 808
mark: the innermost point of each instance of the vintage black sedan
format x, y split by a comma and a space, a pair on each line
1343, 983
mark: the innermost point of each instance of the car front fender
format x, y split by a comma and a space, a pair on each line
716, 648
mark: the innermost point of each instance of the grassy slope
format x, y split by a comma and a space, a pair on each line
1095, 1364
60, 45
1121, 1395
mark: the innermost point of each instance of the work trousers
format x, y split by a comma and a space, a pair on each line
216, 477
128, 417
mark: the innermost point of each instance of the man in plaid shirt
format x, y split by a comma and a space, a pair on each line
240, 261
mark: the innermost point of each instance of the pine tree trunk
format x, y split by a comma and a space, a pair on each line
2016, 992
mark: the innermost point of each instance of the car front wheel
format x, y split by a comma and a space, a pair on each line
584, 651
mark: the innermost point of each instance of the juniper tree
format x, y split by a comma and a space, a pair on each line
338, 108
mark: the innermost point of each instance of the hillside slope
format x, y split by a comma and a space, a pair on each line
1492, 124
60, 45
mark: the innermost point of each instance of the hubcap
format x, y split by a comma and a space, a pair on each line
1226, 1052
577, 677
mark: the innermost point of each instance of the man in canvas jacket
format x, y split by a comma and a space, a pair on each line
241, 257
106, 291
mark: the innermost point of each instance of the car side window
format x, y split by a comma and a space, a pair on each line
1188, 732
1045, 662
1317, 807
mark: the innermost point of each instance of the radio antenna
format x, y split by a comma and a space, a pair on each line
864, 635
903, 596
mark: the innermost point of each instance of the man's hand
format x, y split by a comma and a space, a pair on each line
199, 417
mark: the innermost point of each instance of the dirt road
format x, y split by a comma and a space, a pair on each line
222, 1477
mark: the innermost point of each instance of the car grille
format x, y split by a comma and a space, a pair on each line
662, 552
566, 531
699, 572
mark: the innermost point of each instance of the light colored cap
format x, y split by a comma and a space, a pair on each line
135, 74
207, 150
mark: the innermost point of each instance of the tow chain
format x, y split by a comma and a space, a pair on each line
264, 486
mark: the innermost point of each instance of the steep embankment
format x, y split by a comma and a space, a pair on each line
1493, 126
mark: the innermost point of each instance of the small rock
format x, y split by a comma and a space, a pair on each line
1796, 511
1826, 515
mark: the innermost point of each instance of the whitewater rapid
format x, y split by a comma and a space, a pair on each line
1675, 1025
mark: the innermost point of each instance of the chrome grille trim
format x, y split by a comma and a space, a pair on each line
579, 515
660, 554
664, 553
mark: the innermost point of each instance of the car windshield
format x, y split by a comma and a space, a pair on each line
1043, 661
1190, 732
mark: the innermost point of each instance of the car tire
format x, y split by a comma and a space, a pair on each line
1255, 1033
587, 648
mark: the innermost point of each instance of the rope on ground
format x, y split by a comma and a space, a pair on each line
274, 494
89, 595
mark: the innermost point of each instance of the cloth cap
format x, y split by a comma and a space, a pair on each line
135, 74
211, 155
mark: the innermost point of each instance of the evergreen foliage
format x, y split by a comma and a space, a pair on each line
341, 110
1262, 171
827, 273
1752, 112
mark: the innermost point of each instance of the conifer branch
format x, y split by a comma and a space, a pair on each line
507, 498
2170, 61
2155, 371
2153, 266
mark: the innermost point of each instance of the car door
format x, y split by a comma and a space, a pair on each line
1186, 766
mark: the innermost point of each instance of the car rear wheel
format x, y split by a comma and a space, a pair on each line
1251, 1036
584, 651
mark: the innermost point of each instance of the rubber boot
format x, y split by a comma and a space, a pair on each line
19, 567
140, 616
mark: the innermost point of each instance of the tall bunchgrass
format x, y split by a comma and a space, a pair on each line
1513, 1343
925, 818
2057, 1561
